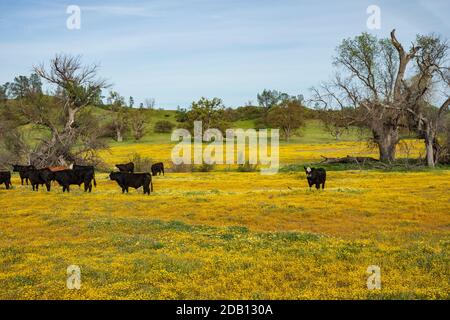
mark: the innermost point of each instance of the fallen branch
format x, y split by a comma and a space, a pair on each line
348, 159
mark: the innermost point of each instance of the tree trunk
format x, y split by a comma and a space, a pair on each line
430, 151
387, 141
119, 136
431, 145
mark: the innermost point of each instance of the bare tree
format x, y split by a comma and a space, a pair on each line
370, 78
150, 103
138, 123
76, 86
337, 122
430, 85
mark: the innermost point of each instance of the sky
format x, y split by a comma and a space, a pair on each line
177, 51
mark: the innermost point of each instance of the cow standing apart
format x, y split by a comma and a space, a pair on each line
5, 178
134, 180
127, 167
23, 171
40, 177
316, 177
157, 168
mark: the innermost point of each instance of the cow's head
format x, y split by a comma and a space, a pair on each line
114, 175
308, 171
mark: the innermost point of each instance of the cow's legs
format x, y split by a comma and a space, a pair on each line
317, 186
323, 185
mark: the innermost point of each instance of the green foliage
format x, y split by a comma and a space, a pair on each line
141, 164
287, 117
247, 167
164, 126
210, 112
204, 168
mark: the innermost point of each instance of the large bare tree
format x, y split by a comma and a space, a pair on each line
75, 87
369, 78
428, 93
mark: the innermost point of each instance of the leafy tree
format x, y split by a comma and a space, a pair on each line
23, 86
209, 111
181, 115
287, 116
131, 102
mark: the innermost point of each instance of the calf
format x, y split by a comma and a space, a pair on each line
316, 177
133, 180
5, 177
23, 171
157, 168
40, 177
127, 167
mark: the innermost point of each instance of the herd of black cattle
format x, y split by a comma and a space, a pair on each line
126, 177
77, 175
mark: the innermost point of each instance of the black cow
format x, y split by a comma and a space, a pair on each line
65, 178
157, 168
316, 177
88, 173
23, 171
127, 167
40, 177
133, 180
5, 178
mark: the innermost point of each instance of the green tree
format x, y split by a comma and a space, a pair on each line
287, 116
209, 111
131, 102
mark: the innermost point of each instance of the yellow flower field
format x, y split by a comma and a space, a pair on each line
289, 153
230, 235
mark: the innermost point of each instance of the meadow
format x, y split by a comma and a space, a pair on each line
234, 235
231, 235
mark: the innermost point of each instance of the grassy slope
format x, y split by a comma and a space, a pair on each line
312, 132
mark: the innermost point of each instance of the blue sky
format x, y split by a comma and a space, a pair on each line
179, 50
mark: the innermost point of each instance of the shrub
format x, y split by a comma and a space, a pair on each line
141, 164
181, 168
247, 167
204, 167
163, 126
